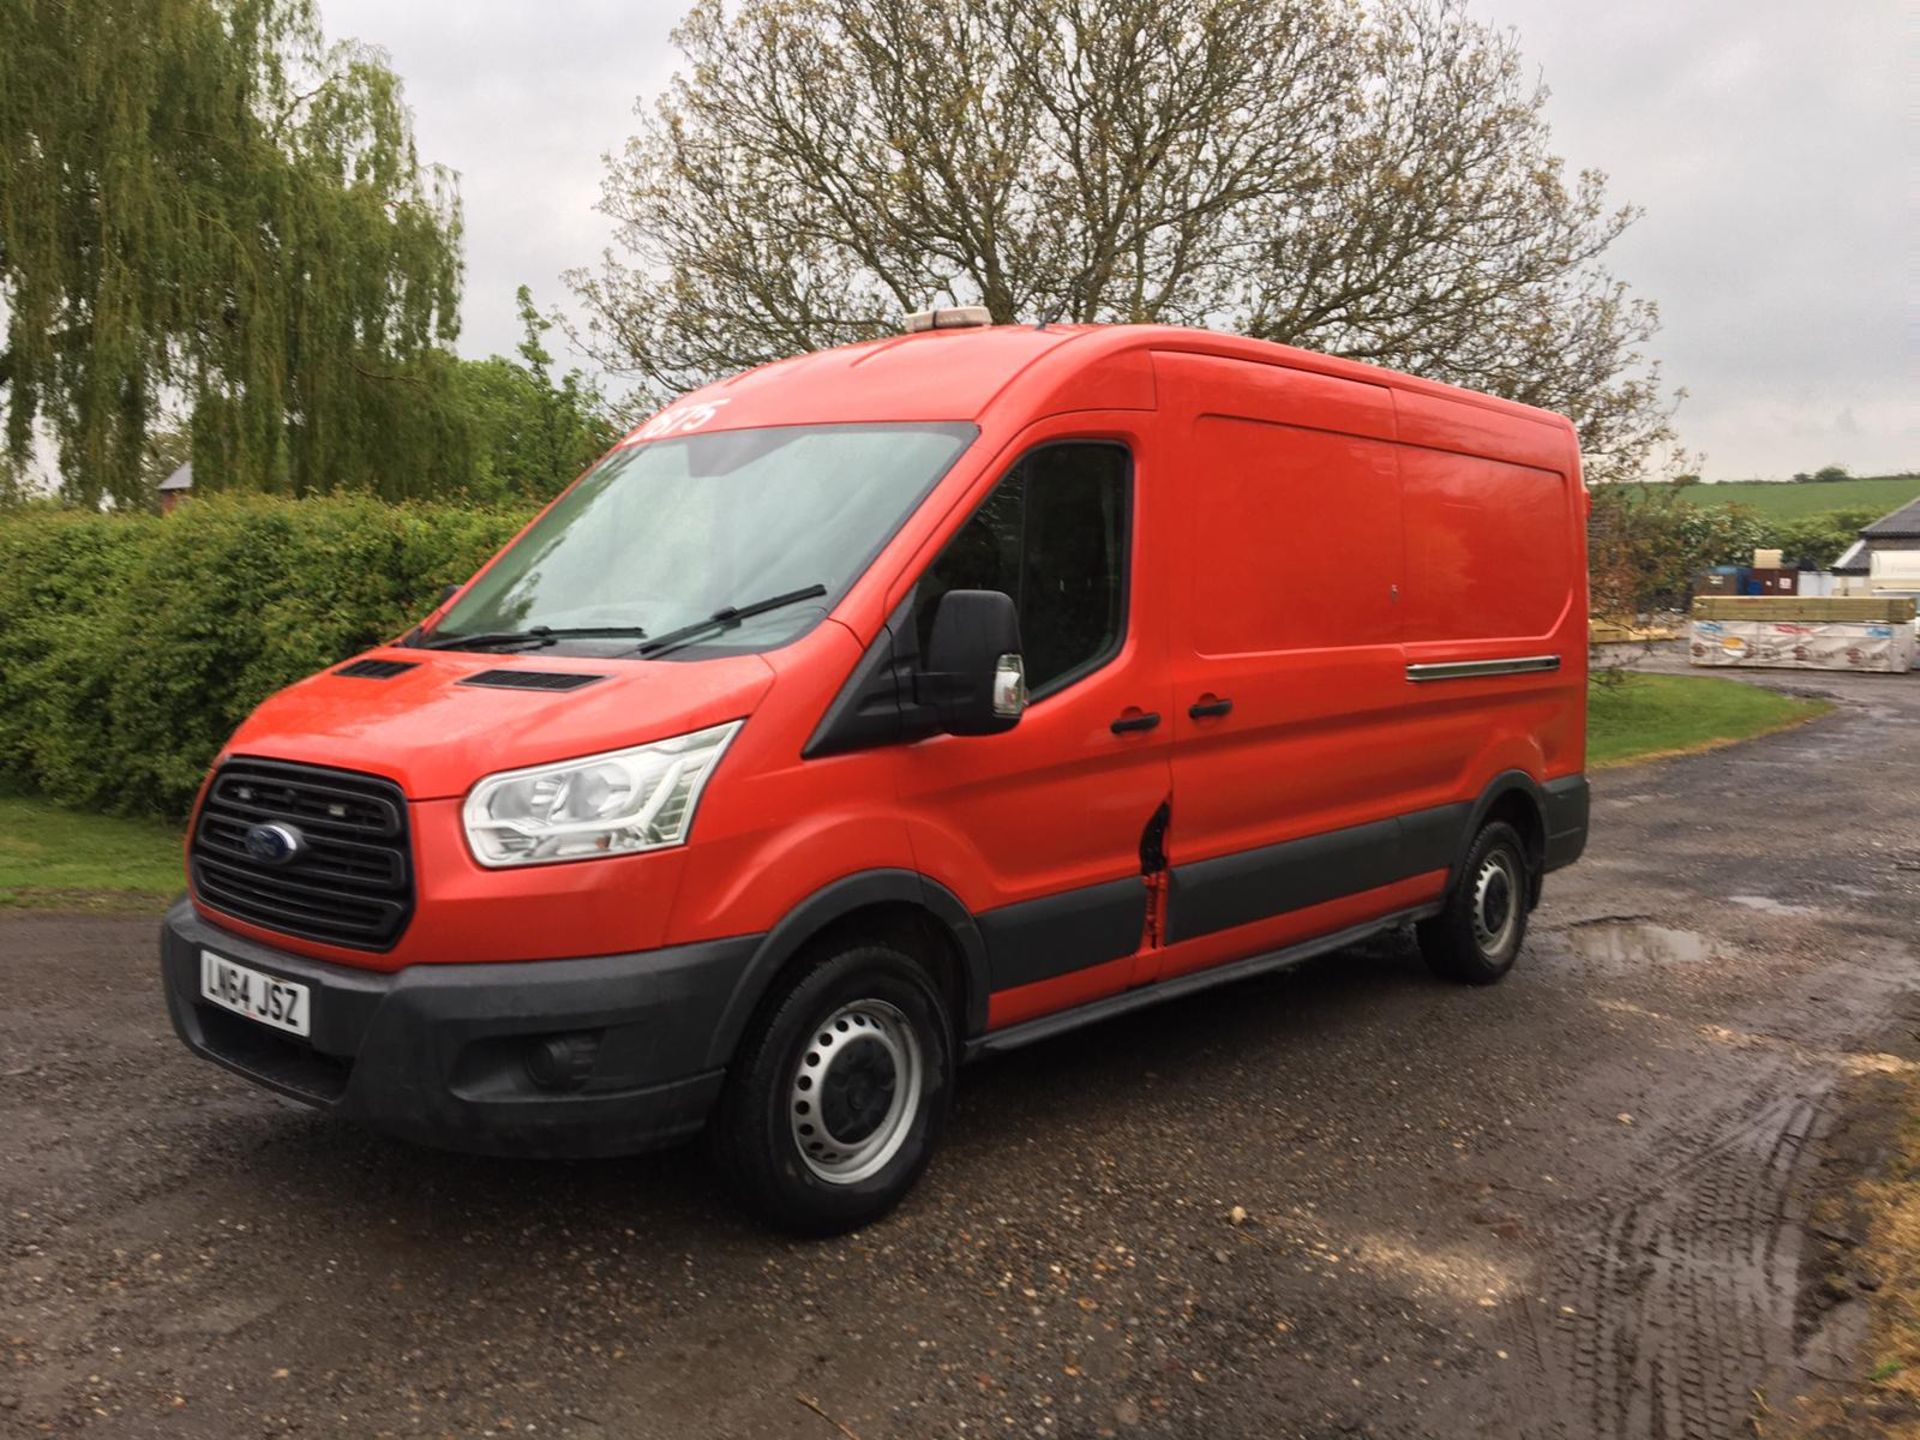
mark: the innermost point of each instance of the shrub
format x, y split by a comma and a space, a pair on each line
1818, 539
131, 645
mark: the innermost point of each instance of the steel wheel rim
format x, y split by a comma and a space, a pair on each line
855, 1091
1496, 903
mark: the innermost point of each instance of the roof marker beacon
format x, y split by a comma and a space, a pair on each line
890, 705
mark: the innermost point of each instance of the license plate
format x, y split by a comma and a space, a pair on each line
246, 991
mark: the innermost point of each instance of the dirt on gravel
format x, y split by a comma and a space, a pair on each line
1348, 1200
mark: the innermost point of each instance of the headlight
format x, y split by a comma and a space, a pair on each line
613, 804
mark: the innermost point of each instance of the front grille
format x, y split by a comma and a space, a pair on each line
351, 881
531, 679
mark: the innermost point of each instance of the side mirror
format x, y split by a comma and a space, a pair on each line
974, 680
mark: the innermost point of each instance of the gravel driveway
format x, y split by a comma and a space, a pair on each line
1347, 1200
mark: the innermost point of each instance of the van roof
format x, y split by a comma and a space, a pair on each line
959, 374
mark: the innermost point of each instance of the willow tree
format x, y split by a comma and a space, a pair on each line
1375, 180
206, 208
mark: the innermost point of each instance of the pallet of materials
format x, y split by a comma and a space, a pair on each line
1873, 646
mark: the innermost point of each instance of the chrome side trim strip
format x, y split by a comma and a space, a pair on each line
1474, 669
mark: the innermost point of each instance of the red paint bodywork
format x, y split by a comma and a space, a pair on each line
1324, 734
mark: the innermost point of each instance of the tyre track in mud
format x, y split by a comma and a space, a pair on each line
1662, 1309
1660, 1320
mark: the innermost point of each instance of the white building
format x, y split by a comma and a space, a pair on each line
1886, 557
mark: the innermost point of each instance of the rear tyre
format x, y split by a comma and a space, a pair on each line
1477, 937
839, 1092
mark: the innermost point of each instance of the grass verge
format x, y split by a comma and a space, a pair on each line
57, 859
1892, 1206
1648, 717
1862, 1242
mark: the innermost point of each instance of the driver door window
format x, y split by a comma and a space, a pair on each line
1054, 536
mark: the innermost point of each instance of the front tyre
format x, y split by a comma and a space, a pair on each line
1477, 937
839, 1092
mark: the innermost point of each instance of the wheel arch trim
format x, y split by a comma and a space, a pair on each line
834, 902
1507, 782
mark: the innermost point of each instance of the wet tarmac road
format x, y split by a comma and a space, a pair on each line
1568, 1206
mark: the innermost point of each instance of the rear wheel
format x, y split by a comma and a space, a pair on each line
839, 1092
1477, 937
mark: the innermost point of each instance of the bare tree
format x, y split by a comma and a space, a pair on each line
1372, 181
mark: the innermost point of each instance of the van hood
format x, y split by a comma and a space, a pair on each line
434, 731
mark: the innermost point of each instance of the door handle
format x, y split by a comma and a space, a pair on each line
1129, 723
1206, 709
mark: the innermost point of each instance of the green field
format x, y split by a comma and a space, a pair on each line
1786, 500
1644, 716
53, 858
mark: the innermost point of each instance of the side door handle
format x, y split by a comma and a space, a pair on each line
1126, 724
1207, 709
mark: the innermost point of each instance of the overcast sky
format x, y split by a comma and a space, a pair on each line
1770, 142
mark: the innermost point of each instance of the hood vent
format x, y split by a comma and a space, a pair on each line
531, 680
377, 669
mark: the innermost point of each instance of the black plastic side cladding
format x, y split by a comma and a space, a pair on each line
1565, 805
1248, 885
1036, 940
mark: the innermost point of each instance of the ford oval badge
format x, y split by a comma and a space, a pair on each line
274, 844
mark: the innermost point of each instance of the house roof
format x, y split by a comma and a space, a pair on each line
181, 479
1854, 562
1902, 524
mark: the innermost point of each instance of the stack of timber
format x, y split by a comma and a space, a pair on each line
1794, 632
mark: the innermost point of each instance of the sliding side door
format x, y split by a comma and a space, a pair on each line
1289, 681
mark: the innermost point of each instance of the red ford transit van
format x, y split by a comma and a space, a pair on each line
889, 705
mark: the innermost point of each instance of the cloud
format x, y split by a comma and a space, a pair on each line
1768, 141
522, 99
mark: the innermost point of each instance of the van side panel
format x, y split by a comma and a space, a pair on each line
1496, 572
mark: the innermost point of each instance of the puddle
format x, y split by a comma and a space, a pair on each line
1767, 905
1640, 944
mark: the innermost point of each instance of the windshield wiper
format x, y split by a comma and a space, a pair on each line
536, 635
727, 617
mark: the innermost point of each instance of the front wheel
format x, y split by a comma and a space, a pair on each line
838, 1095
1477, 937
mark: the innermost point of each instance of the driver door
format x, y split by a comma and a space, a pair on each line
1039, 830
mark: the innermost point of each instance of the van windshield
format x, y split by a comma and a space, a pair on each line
664, 534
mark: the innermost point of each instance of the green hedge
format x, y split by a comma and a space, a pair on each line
131, 646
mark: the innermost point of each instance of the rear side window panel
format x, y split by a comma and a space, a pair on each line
1055, 534
1488, 556
1297, 538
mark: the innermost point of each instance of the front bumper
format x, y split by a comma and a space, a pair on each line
438, 1053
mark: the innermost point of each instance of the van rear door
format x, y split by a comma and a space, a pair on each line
1285, 658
